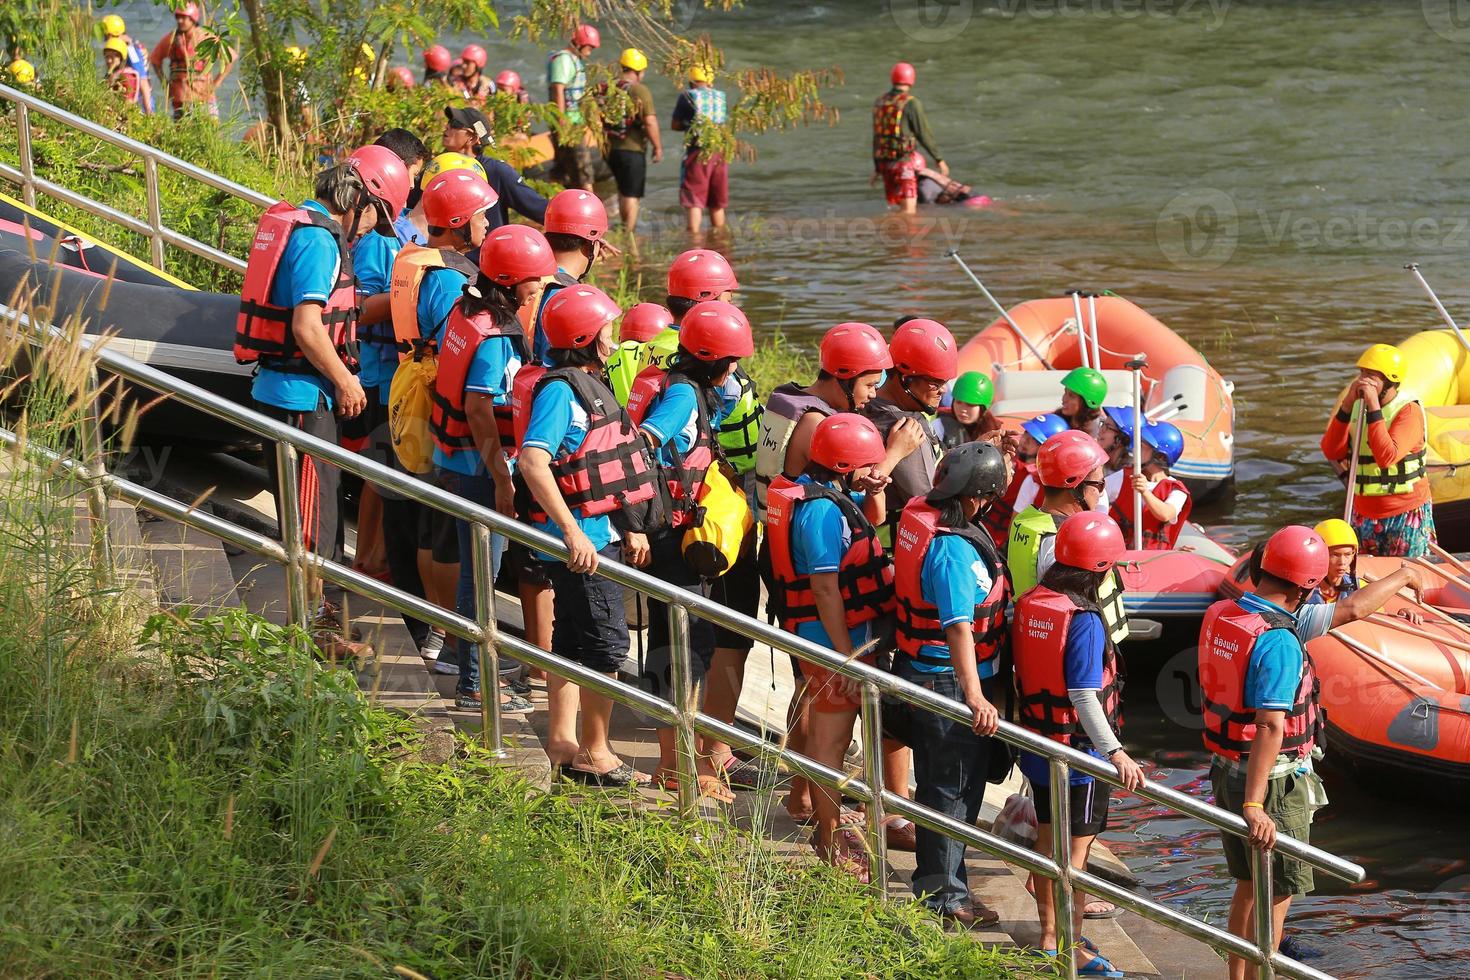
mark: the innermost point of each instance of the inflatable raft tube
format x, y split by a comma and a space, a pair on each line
1453, 599
1176, 584
24, 229
1179, 384
186, 332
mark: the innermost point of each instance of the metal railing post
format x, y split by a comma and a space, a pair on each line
872, 736
681, 677
95, 453
1061, 853
488, 649
155, 212
1262, 885
27, 164
289, 507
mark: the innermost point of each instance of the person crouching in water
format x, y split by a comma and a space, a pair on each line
679, 414
1166, 501
832, 581
1068, 681
969, 415
952, 590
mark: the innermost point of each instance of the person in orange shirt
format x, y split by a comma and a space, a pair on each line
1392, 510
190, 79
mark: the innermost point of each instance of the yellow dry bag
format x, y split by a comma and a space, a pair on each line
409, 403
712, 546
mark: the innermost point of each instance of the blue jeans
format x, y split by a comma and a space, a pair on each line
478, 489
950, 766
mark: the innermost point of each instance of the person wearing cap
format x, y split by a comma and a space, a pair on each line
136, 56
704, 176
1259, 707
899, 128
190, 80
952, 592
468, 131
1392, 511
969, 415
630, 134
566, 84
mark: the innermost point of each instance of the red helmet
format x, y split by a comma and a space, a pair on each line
902, 74
715, 329
586, 34
508, 81
1066, 458
700, 274
438, 58
400, 77
1296, 553
191, 10
384, 175
645, 321
455, 196
575, 315
846, 441
1093, 542
926, 349
474, 54
574, 212
850, 349
513, 254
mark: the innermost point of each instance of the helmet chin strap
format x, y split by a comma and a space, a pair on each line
847, 385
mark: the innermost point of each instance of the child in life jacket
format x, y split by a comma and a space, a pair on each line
969, 415
1083, 391
1166, 501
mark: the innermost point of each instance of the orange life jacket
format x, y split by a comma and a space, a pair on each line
262, 329
890, 140
1227, 637
918, 620
181, 60
462, 338
410, 266
685, 478
864, 575
1157, 535
1039, 643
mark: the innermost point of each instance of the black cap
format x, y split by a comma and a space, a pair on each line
975, 469
467, 117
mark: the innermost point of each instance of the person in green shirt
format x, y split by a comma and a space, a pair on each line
899, 128
631, 127
566, 83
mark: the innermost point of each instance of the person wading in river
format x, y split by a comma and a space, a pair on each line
899, 128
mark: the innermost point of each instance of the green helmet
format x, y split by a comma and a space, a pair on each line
1088, 385
974, 388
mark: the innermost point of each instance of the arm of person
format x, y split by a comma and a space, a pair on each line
1164, 511
519, 196
479, 409
1271, 681
1270, 729
559, 95
918, 123
799, 446
373, 309
961, 640
310, 334
160, 52
1391, 443
830, 610
536, 471
1371, 597
905, 436
1334, 442
955, 579
683, 113
650, 127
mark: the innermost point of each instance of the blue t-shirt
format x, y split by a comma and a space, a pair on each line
819, 538
542, 345
372, 262
674, 416
307, 272
558, 425
439, 290
953, 579
491, 372
1082, 668
407, 231
1275, 669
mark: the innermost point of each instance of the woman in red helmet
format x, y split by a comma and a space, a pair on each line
576, 226
899, 128
470, 80
437, 64
1068, 680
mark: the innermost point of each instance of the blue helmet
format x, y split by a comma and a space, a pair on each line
1043, 427
1123, 419
1166, 440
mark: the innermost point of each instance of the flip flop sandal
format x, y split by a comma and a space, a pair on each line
1099, 966
1111, 912
901, 835
618, 778
747, 774
846, 855
710, 788
846, 817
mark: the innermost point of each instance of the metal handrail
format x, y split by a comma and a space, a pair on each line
156, 231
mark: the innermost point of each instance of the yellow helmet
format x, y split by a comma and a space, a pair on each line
1386, 359
451, 161
23, 72
1337, 532
296, 54
633, 59
113, 26
117, 46
702, 73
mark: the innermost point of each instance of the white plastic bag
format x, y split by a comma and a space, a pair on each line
1016, 821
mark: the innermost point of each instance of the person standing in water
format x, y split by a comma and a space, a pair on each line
899, 128
704, 177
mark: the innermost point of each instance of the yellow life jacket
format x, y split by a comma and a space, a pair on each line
1400, 478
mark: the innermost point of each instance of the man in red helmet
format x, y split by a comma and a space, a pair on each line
437, 64
566, 83
1259, 706
576, 226
899, 128
470, 80
190, 81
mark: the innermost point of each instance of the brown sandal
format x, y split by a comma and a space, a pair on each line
847, 854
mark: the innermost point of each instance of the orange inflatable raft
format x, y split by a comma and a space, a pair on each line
1178, 384
1454, 599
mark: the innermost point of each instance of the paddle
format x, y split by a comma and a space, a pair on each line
1373, 655
1413, 268
1352, 473
1083, 350
1404, 626
954, 254
1136, 366
1442, 553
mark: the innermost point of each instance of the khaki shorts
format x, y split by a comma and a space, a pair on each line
1287, 799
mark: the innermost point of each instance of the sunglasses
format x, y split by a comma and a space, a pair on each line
1097, 485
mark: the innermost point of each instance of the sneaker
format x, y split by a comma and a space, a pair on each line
516, 705
432, 645
467, 702
519, 686
447, 665
329, 620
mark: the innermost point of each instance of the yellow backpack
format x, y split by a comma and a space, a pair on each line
410, 399
711, 547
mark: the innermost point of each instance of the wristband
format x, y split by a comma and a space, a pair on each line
1114, 752
1259, 806
1343, 416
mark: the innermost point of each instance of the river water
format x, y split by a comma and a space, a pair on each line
1254, 174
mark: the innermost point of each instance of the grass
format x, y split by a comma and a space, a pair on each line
203, 797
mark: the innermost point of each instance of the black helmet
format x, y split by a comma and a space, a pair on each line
975, 469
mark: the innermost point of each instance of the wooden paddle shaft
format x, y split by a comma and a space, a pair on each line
1352, 475
1464, 568
1404, 626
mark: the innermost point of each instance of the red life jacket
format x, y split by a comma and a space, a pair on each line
462, 338
262, 329
1039, 642
997, 517
1227, 637
181, 60
864, 575
685, 478
918, 620
611, 468
127, 82
522, 393
890, 140
1157, 535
